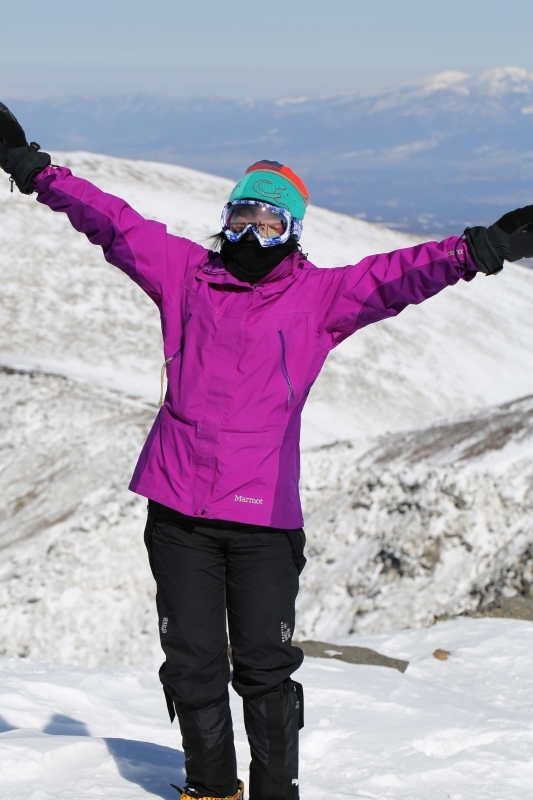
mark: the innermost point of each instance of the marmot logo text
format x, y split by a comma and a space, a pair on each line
240, 499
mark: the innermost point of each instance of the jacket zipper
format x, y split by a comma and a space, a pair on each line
164, 369
284, 369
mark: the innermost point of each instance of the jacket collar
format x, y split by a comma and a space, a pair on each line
276, 281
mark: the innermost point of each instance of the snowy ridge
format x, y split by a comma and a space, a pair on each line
454, 88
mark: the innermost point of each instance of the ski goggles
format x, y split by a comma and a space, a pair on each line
269, 224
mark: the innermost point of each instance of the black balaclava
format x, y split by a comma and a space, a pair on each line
249, 262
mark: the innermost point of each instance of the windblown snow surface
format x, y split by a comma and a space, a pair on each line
417, 482
454, 729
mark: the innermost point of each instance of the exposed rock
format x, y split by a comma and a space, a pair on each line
351, 654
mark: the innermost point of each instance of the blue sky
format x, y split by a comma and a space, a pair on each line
260, 49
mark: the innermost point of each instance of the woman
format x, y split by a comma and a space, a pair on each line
246, 332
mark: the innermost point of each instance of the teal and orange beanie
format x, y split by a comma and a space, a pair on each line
273, 183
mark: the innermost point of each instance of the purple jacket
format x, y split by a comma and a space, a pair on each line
225, 444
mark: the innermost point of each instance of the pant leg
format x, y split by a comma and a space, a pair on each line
210, 760
273, 721
189, 569
261, 586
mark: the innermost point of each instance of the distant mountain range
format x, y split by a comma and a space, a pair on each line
428, 157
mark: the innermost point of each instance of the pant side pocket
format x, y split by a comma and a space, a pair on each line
297, 540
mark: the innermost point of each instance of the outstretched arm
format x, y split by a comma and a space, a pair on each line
142, 248
381, 286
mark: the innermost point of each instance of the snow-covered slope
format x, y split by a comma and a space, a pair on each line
402, 529
458, 728
64, 309
74, 579
390, 543
419, 525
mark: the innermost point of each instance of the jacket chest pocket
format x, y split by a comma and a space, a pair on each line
283, 364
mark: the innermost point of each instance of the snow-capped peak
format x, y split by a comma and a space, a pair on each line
505, 80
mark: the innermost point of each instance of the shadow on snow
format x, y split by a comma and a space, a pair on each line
150, 766
5, 726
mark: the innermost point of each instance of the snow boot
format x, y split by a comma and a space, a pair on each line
239, 794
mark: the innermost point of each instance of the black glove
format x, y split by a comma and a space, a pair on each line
511, 238
19, 159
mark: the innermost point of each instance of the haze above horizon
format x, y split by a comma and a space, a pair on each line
206, 49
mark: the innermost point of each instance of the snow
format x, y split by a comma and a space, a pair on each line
458, 728
493, 82
74, 579
405, 528
423, 524
417, 484
402, 529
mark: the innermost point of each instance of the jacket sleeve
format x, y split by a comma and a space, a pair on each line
142, 248
349, 298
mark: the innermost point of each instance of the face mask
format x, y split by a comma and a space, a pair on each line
249, 262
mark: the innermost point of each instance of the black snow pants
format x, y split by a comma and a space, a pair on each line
207, 572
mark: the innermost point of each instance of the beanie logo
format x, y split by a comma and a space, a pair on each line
271, 192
